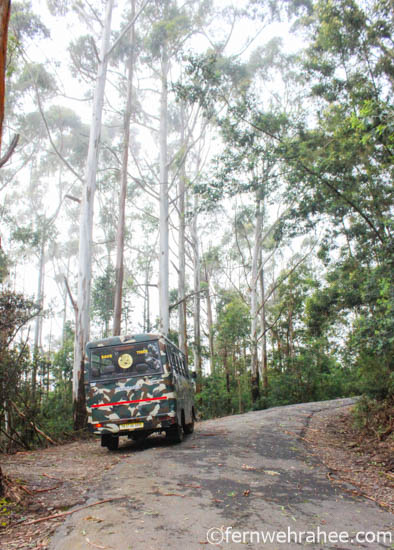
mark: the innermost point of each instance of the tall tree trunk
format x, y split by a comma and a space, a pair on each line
255, 381
119, 268
86, 230
238, 375
39, 318
40, 295
65, 297
291, 331
181, 243
147, 298
164, 247
276, 336
227, 374
197, 290
263, 323
209, 319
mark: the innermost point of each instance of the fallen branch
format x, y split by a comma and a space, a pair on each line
95, 545
61, 514
169, 495
12, 439
46, 490
10, 489
33, 425
359, 492
26, 490
52, 477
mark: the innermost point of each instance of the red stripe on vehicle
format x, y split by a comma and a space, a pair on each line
128, 402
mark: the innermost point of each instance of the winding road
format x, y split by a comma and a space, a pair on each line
245, 481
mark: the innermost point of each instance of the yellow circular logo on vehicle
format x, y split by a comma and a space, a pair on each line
125, 361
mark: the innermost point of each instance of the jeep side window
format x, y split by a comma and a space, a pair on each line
173, 362
181, 364
185, 366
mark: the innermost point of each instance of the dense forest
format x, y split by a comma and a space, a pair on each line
219, 172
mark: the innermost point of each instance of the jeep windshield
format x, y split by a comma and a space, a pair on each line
138, 359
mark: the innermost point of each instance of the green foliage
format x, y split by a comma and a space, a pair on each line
170, 25
24, 26
217, 398
367, 293
84, 57
303, 364
103, 297
56, 413
35, 76
212, 399
3, 265
15, 312
335, 336
227, 389
310, 376
233, 324
62, 362
49, 406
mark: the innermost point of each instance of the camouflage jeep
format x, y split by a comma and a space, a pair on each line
137, 385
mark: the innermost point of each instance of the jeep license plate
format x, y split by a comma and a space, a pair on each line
131, 426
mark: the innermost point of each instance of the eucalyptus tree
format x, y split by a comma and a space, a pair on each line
36, 231
171, 27
120, 234
86, 227
182, 311
86, 220
249, 164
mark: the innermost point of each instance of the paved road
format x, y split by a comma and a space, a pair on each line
242, 473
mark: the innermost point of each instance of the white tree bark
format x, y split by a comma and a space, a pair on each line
254, 300
263, 324
181, 245
39, 318
209, 319
164, 248
86, 227
40, 293
197, 290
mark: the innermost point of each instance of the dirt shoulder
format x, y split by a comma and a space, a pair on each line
50, 481
351, 458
